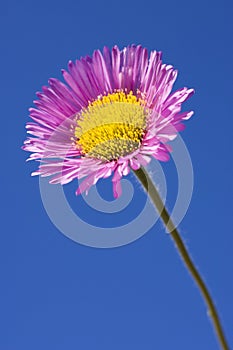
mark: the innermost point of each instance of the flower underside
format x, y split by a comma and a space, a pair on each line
112, 126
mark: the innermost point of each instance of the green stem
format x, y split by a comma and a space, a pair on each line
150, 188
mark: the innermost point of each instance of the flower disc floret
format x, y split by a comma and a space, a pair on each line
112, 126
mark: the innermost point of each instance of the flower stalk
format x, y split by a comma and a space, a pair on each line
150, 188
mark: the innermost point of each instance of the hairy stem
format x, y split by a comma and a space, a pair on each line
150, 188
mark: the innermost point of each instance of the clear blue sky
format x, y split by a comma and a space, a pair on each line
57, 294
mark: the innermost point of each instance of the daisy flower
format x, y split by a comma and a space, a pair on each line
114, 113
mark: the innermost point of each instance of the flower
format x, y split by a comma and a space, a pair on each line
114, 114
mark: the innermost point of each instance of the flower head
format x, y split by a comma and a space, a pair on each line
115, 113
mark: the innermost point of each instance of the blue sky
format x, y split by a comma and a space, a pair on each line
57, 294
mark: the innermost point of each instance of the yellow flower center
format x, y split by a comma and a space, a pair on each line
112, 126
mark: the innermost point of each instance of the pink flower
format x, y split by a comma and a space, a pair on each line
114, 114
